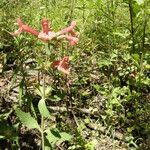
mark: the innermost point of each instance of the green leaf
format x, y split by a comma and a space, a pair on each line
27, 120
56, 98
48, 91
136, 57
147, 66
7, 131
139, 2
52, 135
43, 109
20, 91
104, 63
38, 91
115, 101
130, 129
65, 137
2, 137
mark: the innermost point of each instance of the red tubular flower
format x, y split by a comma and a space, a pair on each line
47, 34
71, 39
17, 32
72, 32
62, 65
24, 28
45, 26
68, 29
46, 37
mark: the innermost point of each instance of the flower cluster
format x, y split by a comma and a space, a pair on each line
62, 65
47, 34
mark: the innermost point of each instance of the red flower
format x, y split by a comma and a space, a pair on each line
68, 29
24, 28
47, 34
45, 26
72, 33
46, 37
71, 39
62, 65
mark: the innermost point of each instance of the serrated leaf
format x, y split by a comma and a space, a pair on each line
52, 136
27, 120
43, 109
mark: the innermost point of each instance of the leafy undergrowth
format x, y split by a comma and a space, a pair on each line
87, 87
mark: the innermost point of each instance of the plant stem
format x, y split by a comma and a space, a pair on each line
42, 117
72, 3
83, 13
113, 22
144, 26
143, 42
46, 10
42, 132
132, 27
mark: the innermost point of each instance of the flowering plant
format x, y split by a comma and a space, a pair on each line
47, 35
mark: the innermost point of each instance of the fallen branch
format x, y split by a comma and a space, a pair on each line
90, 111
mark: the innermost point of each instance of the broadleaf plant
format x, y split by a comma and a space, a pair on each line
27, 119
43, 109
44, 91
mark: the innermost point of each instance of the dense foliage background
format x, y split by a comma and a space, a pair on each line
105, 101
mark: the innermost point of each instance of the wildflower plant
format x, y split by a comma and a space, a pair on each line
47, 35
